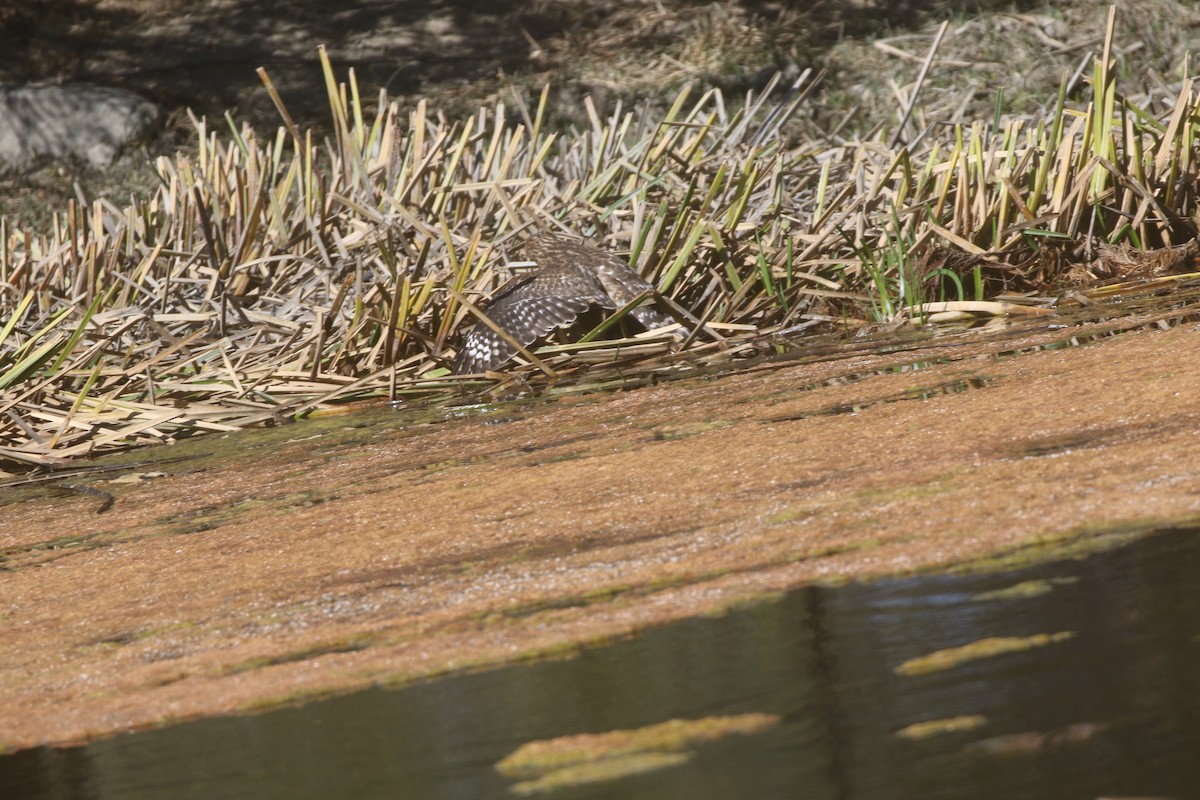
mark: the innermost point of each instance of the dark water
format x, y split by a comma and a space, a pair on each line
1112, 711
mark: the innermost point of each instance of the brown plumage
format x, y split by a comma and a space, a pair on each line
570, 278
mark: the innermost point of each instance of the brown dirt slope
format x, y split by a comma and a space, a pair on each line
335, 554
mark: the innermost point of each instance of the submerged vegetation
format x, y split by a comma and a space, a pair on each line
268, 277
552, 764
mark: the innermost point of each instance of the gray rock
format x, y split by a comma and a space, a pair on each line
78, 121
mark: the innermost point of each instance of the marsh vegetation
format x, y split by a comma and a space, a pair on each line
271, 274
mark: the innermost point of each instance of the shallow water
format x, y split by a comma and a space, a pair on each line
1111, 710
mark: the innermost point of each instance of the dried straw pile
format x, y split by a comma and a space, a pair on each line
265, 279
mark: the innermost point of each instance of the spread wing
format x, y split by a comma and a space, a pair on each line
619, 282
528, 308
571, 277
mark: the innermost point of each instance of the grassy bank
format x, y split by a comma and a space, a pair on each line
268, 277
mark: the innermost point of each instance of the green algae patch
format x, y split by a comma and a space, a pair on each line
294, 699
683, 430
937, 727
1039, 741
120, 639
751, 600
1075, 544
1023, 590
598, 772
207, 518
913, 488
550, 764
351, 644
984, 648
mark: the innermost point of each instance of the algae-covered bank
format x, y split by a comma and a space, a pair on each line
269, 567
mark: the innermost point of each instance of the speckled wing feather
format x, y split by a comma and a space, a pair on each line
528, 308
620, 282
571, 277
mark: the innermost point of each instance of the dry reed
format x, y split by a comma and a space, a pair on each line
265, 279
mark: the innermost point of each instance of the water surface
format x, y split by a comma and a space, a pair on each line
1113, 709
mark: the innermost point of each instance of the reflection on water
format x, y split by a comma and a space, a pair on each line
1111, 710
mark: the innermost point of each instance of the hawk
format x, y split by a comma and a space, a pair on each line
570, 278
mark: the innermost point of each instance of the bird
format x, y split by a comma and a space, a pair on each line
571, 277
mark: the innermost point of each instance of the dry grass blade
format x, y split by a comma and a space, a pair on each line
273, 277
